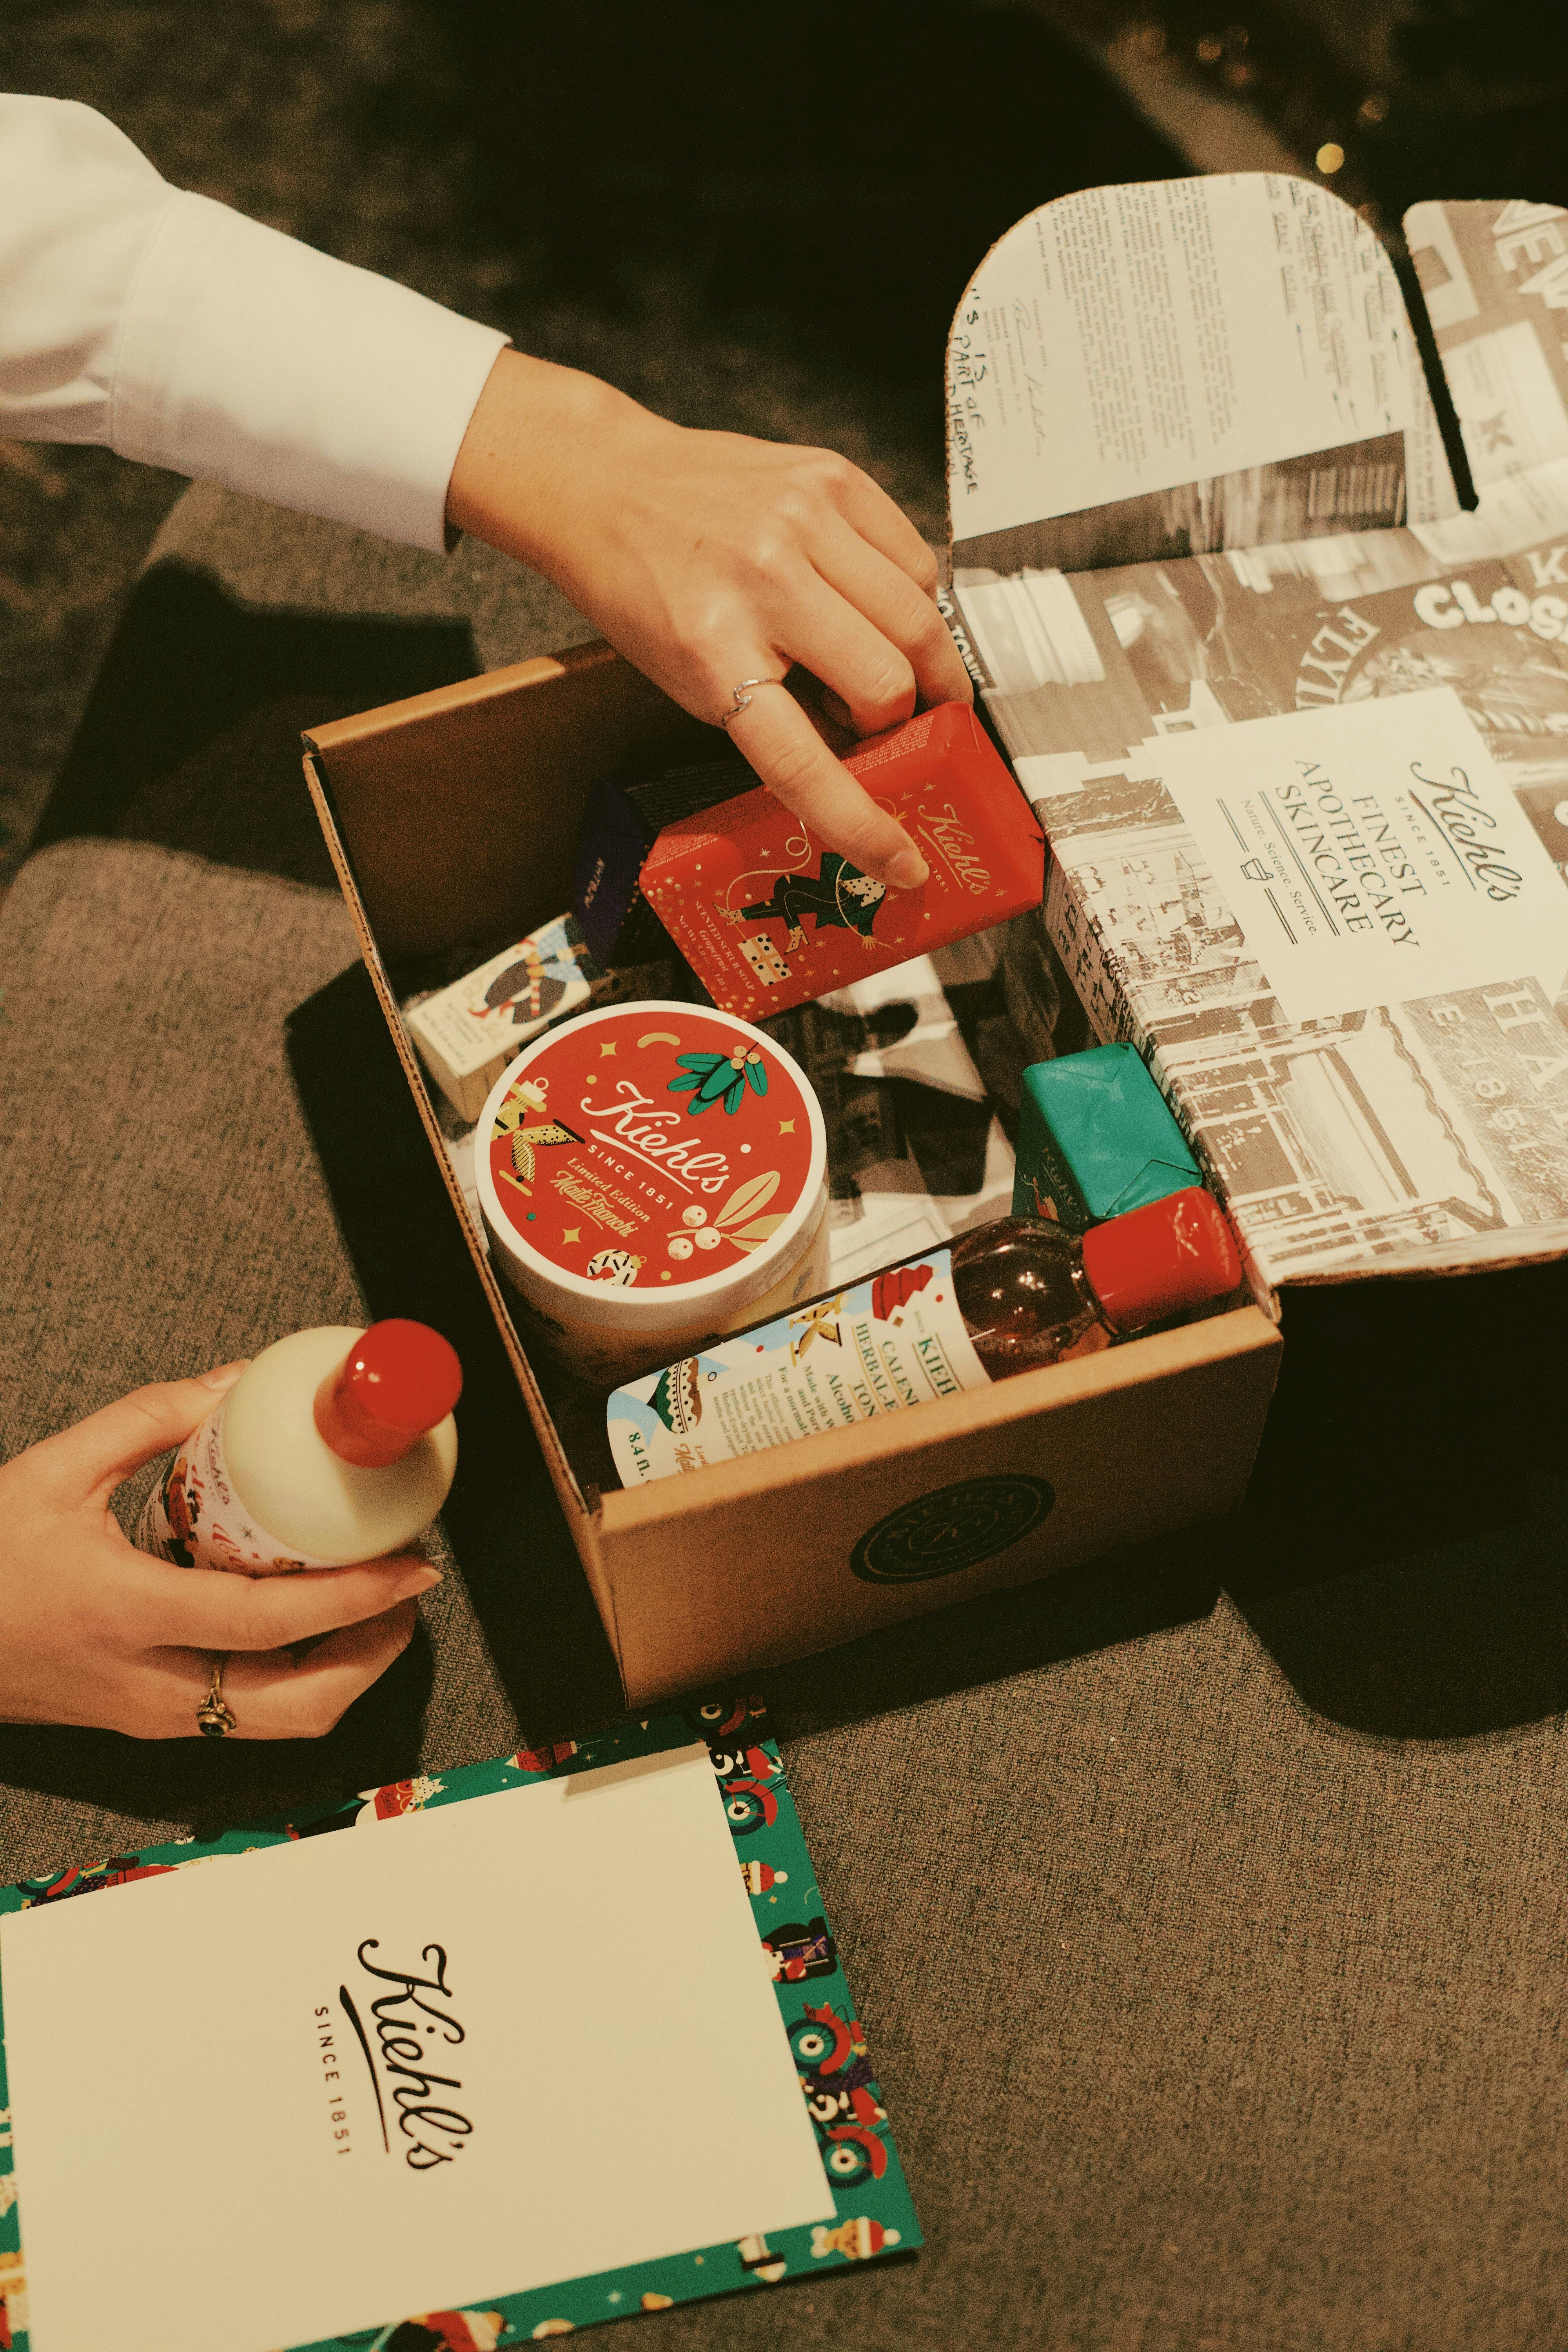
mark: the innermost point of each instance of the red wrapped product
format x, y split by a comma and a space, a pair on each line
767, 916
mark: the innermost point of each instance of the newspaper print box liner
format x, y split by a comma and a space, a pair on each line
1300, 740
872, 2212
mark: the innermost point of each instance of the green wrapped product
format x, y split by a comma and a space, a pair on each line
1095, 1140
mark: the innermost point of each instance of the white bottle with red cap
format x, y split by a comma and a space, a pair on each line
334, 1445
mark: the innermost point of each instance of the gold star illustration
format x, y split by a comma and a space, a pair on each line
605, 1051
572, 1233
786, 1126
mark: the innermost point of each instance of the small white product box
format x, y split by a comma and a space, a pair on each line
467, 1033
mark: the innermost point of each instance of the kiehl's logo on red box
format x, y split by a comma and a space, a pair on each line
769, 916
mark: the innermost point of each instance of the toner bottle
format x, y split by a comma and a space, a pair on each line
1005, 1299
334, 1445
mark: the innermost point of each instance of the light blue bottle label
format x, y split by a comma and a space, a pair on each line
877, 1347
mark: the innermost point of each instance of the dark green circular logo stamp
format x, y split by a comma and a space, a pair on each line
957, 1527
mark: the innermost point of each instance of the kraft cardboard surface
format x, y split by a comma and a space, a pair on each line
1162, 1430
783, 1553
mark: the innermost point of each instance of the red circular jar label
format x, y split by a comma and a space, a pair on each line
650, 1147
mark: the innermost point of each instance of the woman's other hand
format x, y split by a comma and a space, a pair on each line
94, 1631
708, 558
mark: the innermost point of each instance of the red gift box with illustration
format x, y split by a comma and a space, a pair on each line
768, 917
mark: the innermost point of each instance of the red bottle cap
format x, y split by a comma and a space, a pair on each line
396, 1382
1153, 1262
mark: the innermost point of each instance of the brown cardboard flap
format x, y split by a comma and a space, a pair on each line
769, 1558
460, 809
565, 1485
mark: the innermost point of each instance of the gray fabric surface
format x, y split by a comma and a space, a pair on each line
164, 1212
298, 563
1202, 2023
1205, 2024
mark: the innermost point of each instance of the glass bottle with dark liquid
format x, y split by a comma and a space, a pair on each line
1008, 1297
1030, 1293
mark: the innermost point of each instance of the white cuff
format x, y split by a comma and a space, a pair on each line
252, 361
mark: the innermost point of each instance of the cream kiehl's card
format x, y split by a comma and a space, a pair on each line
501, 2062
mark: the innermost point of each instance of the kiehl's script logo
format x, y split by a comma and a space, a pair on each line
1457, 809
411, 2026
635, 1125
954, 845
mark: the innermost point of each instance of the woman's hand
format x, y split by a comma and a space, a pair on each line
93, 1632
707, 559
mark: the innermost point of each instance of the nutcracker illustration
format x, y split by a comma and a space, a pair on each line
796, 1951
838, 896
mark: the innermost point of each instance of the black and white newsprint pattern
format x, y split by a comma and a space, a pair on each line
1414, 1134
1439, 1125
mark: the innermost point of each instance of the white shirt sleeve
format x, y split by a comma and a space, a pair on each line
182, 334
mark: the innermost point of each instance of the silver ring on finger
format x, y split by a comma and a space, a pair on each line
214, 1715
741, 695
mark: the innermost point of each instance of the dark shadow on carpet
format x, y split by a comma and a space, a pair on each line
1450, 1640
222, 1784
191, 737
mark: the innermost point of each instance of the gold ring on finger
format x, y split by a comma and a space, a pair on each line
214, 1715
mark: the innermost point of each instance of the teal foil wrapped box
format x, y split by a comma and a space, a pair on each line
1096, 1139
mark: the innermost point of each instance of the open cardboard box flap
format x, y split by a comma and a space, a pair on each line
1294, 720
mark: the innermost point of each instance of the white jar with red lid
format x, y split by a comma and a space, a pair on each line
651, 1175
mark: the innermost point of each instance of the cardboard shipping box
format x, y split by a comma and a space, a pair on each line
1191, 444
790, 1551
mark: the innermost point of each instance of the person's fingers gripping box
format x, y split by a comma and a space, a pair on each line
768, 917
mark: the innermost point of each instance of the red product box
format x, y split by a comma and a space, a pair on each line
767, 916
